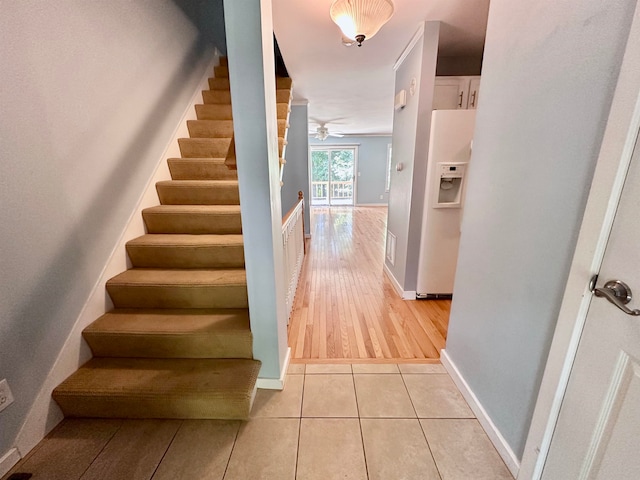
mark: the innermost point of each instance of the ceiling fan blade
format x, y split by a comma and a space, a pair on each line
339, 135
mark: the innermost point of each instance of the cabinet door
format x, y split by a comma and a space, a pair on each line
474, 92
450, 93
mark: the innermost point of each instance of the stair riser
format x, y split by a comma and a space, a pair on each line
95, 406
171, 296
170, 346
144, 256
187, 169
282, 127
221, 71
218, 97
204, 147
210, 128
223, 97
214, 112
193, 224
283, 110
222, 83
215, 195
219, 83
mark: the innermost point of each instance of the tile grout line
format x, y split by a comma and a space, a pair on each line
424, 434
235, 440
420, 424
175, 434
364, 450
102, 449
304, 381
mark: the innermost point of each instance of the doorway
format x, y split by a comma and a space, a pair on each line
333, 175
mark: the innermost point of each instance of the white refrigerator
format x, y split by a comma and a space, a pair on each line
449, 154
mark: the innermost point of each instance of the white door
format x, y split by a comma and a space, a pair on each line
597, 435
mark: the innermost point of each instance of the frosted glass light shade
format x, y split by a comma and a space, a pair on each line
361, 18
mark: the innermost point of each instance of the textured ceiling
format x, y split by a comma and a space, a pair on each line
351, 88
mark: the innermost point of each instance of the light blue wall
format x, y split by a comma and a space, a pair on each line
296, 170
548, 77
253, 99
91, 92
372, 164
411, 127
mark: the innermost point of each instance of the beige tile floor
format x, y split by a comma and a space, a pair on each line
360, 422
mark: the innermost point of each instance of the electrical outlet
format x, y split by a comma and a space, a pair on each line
6, 397
381, 197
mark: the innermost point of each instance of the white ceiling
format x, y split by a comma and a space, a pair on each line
351, 88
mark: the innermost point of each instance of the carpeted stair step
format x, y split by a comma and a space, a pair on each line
159, 288
223, 97
200, 169
193, 219
219, 83
186, 251
282, 126
198, 192
184, 333
222, 83
283, 110
223, 112
204, 147
284, 82
210, 128
160, 388
216, 96
214, 112
221, 71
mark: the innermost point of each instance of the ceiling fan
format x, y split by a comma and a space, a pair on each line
322, 132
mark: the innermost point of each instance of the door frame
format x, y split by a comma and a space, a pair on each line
335, 146
621, 131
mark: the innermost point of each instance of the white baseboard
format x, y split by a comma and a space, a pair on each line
372, 204
503, 448
8, 460
404, 294
276, 383
44, 414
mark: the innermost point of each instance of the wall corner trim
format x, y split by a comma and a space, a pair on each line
299, 103
503, 448
8, 461
412, 43
276, 383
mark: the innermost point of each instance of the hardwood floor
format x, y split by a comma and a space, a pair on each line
346, 308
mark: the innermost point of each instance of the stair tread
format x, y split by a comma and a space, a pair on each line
180, 277
198, 183
175, 377
186, 240
194, 209
171, 322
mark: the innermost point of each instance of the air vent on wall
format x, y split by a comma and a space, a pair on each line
391, 248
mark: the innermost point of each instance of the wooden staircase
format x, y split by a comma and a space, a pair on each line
178, 343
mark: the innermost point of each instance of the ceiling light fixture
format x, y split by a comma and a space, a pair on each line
322, 133
361, 19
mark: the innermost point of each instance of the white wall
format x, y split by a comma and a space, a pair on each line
372, 165
548, 77
90, 94
410, 147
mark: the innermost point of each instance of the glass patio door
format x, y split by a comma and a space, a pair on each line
332, 175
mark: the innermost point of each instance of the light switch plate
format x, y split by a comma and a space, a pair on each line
6, 397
